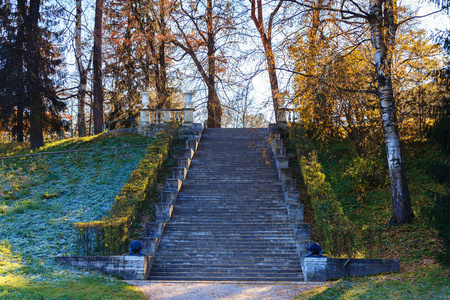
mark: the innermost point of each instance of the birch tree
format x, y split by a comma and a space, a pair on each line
383, 23
381, 18
82, 70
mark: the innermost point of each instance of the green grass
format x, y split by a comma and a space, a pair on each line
430, 282
39, 202
97, 141
18, 281
362, 186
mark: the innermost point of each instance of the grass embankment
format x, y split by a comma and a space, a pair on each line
112, 235
361, 186
39, 202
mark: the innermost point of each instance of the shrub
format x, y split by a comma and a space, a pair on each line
111, 234
337, 230
440, 217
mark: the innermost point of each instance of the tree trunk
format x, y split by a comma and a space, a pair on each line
213, 105
162, 76
35, 101
271, 68
20, 122
98, 86
81, 95
163, 94
20, 70
383, 29
266, 39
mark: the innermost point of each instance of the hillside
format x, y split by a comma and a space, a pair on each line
39, 202
360, 186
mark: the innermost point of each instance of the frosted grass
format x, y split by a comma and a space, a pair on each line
39, 202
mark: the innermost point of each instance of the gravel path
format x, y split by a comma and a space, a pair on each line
223, 290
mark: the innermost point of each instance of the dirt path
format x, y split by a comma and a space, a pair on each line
223, 290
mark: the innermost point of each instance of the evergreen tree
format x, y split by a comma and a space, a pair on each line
30, 68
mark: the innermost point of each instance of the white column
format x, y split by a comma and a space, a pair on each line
145, 115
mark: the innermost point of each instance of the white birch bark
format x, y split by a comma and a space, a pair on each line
82, 86
383, 29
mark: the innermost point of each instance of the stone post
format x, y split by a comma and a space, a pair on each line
188, 96
315, 268
188, 115
166, 116
281, 115
145, 115
144, 122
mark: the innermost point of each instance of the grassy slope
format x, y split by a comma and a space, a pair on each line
364, 193
38, 203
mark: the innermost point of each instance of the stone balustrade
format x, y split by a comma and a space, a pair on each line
154, 120
288, 115
162, 116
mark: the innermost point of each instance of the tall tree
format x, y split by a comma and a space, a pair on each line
12, 76
158, 43
315, 58
383, 23
257, 16
381, 16
82, 70
31, 20
97, 65
152, 18
200, 25
137, 56
31, 69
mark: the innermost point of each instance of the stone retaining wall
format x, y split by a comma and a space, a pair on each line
128, 267
325, 268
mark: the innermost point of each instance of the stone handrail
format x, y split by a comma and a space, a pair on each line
287, 115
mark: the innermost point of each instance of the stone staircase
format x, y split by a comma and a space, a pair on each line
230, 220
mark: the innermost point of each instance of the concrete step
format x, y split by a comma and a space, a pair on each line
184, 277
230, 220
232, 247
232, 272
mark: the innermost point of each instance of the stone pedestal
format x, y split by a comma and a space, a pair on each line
315, 268
281, 115
145, 115
189, 115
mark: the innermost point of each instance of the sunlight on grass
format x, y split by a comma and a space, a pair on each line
430, 282
39, 202
91, 287
8, 261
